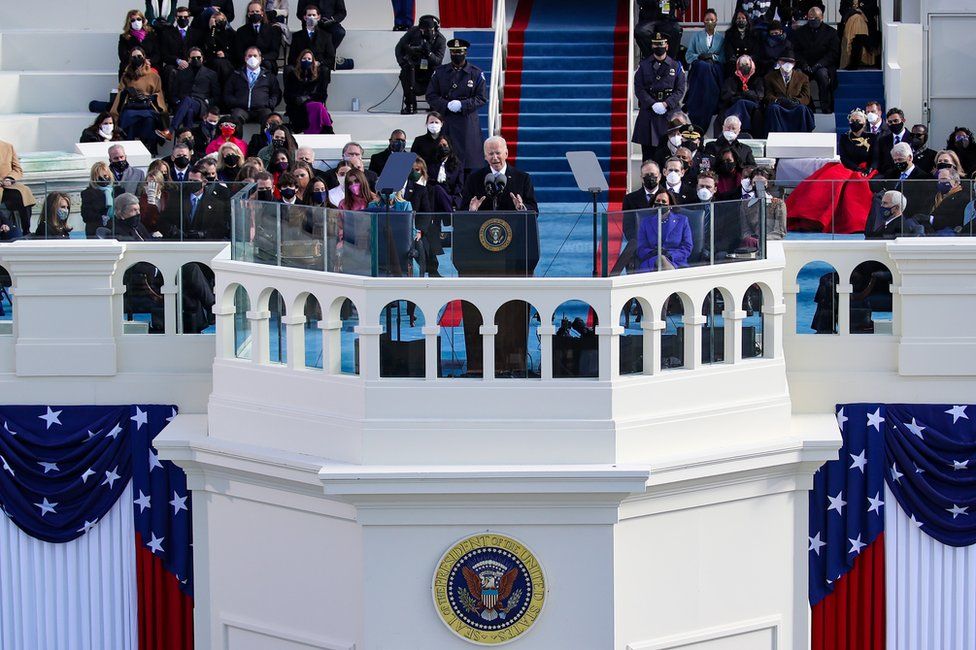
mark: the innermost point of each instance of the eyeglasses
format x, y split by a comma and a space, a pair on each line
196, 58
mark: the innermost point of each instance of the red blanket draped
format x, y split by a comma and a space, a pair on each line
832, 199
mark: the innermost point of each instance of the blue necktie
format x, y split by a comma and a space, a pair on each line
194, 199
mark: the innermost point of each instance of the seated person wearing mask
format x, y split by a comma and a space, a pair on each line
675, 240
127, 225
202, 213
315, 37
53, 223
885, 142
640, 199
817, 48
723, 218
103, 129
195, 89
97, 208
228, 133
127, 179
915, 185
676, 183
263, 137
788, 98
352, 153
731, 128
756, 188
139, 106
948, 213
332, 13
252, 93
306, 92
398, 142
258, 33
669, 145
889, 222
741, 96
181, 160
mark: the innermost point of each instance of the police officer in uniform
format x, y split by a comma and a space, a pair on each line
660, 85
457, 91
419, 52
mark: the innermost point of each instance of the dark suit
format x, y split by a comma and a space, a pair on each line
818, 53
919, 191
882, 150
743, 152
93, 208
925, 159
518, 182
267, 38
201, 84
333, 11
210, 220
255, 103
950, 213
378, 161
320, 42
196, 7
174, 46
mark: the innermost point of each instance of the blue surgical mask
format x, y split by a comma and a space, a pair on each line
944, 187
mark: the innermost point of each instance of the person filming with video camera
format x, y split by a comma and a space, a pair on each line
419, 53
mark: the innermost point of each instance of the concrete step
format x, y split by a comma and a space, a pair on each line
377, 126
53, 92
45, 49
43, 131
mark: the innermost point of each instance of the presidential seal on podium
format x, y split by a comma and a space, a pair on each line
495, 235
489, 589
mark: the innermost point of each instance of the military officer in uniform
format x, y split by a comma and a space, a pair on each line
457, 91
419, 52
660, 85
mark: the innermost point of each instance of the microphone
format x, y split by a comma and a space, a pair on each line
494, 188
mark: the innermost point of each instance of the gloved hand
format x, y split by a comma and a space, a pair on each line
707, 56
454, 106
659, 108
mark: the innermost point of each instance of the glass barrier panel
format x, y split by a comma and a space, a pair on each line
302, 232
632, 338
402, 343
195, 299
753, 325
277, 330
816, 302
871, 300
460, 342
575, 345
518, 344
569, 243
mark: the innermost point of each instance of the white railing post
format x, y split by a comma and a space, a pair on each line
294, 340
260, 336
546, 332
652, 345
488, 333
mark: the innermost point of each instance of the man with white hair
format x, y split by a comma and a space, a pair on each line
499, 186
731, 128
917, 187
890, 219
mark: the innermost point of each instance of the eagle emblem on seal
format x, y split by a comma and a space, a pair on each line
490, 585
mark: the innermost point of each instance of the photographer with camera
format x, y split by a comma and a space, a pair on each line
419, 52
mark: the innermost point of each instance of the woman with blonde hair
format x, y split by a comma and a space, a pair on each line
948, 159
97, 207
137, 33
230, 158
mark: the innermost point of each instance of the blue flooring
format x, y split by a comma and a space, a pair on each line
855, 88
565, 104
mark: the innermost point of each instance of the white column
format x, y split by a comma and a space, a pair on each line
733, 335
844, 308
260, 336
294, 340
609, 351
773, 332
790, 293
369, 350
546, 332
224, 323
653, 330
488, 333
430, 333
331, 346
66, 316
693, 340
170, 312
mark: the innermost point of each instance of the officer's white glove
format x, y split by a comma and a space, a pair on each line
454, 106
659, 107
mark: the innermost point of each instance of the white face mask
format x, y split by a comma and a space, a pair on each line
746, 185
872, 118
136, 24
729, 136
786, 67
673, 177
253, 62
675, 140
106, 130
434, 128
704, 194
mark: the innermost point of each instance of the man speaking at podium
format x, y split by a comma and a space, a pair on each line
499, 187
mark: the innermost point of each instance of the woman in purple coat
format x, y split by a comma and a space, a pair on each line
676, 242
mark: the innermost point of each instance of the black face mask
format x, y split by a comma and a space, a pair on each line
445, 151
211, 178
901, 166
856, 126
814, 23
103, 182
119, 166
945, 165
221, 24
264, 195
658, 51
457, 59
690, 145
138, 61
278, 144
182, 21
397, 145
650, 182
232, 160
254, 19
197, 186
728, 165
181, 161
745, 69
921, 139
741, 24
196, 64
896, 128
288, 192
281, 166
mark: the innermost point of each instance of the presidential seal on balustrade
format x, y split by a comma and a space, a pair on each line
489, 589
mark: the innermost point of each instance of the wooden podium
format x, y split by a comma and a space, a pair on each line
496, 244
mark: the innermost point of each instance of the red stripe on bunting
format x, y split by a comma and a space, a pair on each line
853, 616
513, 77
165, 612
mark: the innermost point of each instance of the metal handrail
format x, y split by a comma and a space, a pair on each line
630, 94
499, 51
